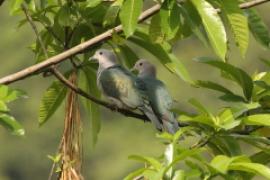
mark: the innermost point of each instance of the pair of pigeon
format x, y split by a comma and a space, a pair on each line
143, 92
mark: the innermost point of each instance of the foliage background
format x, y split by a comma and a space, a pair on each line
26, 157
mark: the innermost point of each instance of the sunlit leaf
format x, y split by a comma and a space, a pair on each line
15, 6
129, 15
11, 124
251, 167
93, 3
134, 174
258, 119
194, 22
238, 22
179, 175
3, 106
221, 163
151, 161
213, 26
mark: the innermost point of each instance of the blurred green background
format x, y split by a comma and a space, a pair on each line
26, 158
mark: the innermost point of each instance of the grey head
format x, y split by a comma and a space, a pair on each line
105, 58
145, 68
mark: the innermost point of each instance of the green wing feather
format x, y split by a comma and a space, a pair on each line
118, 83
161, 103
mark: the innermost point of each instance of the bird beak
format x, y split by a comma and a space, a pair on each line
93, 59
133, 69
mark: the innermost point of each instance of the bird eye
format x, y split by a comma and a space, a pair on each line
100, 53
140, 64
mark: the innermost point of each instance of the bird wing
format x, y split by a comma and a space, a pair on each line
118, 83
161, 103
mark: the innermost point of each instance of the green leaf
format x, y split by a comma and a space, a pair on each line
93, 3
3, 107
169, 19
258, 119
262, 157
228, 96
240, 76
221, 163
155, 33
15, 6
134, 174
87, 81
152, 161
130, 57
8, 95
11, 124
201, 108
238, 23
65, 16
226, 119
183, 155
129, 15
251, 167
178, 68
179, 175
112, 13
213, 26
166, 58
258, 28
194, 22
202, 119
51, 100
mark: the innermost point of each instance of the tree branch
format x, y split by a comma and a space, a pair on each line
253, 3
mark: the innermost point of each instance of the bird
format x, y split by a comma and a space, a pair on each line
160, 99
121, 86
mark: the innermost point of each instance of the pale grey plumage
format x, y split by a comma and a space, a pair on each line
160, 99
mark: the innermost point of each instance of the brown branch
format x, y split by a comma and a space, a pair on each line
253, 3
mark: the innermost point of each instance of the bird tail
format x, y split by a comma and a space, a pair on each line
170, 124
148, 111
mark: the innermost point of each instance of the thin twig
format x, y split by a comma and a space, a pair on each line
31, 22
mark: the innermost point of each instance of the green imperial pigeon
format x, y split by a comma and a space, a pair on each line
160, 99
123, 88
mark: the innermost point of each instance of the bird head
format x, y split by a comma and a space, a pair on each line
104, 57
145, 68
